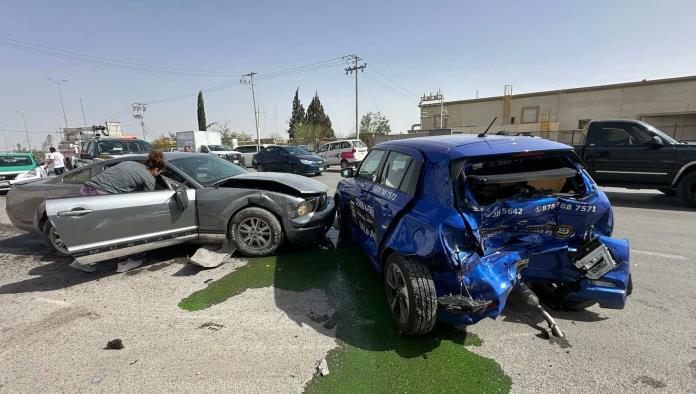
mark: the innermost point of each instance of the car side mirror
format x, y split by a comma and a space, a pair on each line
348, 172
655, 142
181, 196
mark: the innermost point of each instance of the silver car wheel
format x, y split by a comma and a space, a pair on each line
56, 241
255, 233
397, 294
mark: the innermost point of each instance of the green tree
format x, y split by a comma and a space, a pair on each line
318, 118
163, 142
298, 115
201, 113
227, 135
374, 123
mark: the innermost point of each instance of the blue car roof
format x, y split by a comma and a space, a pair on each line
454, 147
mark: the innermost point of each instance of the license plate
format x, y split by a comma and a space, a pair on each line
235, 161
596, 263
4, 183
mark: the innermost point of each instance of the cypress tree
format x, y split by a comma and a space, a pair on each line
317, 117
298, 115
201, 112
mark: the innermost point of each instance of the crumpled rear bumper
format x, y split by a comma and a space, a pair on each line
490, 279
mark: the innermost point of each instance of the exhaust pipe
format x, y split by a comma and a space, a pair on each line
530, 298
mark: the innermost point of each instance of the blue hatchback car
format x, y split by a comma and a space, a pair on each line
453, 223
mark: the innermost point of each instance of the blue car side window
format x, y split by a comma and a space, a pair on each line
370, 166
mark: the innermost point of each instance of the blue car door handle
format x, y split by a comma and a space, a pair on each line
75, 212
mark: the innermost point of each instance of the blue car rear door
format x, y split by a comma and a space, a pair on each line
394, 189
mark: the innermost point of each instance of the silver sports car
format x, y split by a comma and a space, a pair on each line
199, 197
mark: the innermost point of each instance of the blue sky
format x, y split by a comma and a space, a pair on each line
458, 46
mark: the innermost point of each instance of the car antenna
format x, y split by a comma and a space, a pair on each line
488, 128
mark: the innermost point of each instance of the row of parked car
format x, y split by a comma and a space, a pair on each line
298, 159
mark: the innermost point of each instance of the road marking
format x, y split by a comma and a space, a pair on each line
657, 254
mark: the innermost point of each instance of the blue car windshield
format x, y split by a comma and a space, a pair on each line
207, 169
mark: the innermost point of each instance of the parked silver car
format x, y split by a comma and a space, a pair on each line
199, 198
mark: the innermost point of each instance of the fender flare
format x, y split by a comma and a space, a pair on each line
681, 171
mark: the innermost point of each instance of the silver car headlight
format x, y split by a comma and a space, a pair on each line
307, 162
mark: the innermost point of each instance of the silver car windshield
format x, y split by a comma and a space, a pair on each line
207, 170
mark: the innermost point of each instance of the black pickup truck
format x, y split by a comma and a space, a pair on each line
633, 154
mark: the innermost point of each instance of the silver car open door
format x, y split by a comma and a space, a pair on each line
97, 228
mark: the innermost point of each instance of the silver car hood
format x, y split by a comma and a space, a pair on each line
300, 183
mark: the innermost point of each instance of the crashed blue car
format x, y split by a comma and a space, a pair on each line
454, 224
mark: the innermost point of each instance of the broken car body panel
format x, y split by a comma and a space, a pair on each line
478, 252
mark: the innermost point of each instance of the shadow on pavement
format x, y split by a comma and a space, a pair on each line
57, 273
655, 200
361, 317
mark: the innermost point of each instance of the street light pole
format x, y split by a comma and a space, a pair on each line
60, 94
25, 128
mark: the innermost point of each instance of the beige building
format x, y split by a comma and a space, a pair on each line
669, 104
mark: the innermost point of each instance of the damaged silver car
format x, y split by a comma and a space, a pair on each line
199, 198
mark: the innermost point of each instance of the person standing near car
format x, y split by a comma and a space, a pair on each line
125, 177
58, 160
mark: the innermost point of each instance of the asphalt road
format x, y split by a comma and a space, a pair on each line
55, 322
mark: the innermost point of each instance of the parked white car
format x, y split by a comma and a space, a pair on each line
346, 153
248, 152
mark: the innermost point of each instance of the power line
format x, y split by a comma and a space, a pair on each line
333, 62
389, 88
409, 92
102, 61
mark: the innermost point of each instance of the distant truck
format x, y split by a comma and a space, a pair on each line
207, 142
636, 155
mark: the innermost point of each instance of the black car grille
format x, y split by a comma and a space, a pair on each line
8, 177
234, 156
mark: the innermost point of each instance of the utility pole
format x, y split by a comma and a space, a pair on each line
250, 81
60, 94
84, 119
138, 110
355, 68
25, 128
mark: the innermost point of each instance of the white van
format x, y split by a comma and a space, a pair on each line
344, 153
248, 152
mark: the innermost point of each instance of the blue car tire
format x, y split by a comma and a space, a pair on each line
411, 297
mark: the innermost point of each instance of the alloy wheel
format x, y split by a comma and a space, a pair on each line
56, 241
397, 293
255, 233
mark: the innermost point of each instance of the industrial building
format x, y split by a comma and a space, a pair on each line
668, 104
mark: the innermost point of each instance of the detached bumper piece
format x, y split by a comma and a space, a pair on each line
605, 264
596, 260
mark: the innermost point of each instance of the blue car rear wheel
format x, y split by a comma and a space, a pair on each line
410, 293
